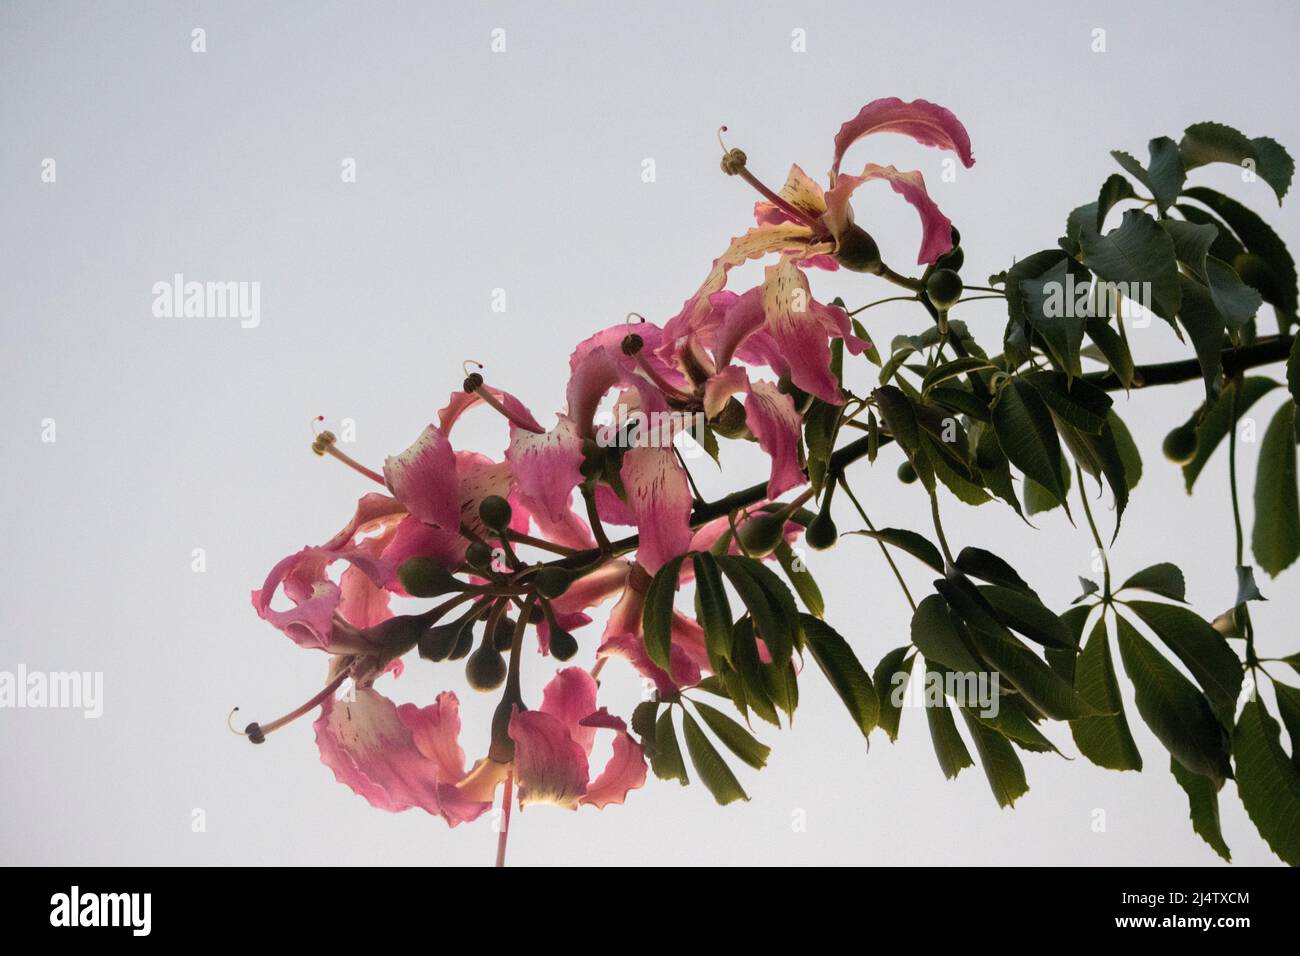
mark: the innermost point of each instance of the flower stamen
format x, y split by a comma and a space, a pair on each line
475, 385
324, 445
256, 733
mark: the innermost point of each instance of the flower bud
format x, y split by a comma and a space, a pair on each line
437, 643
486, 668
906, 473
494, 511
761, 534
551, 582
822, 533
1180, 445
563, 644
857, 251
479, 555
504, 635
943, 288
425, 578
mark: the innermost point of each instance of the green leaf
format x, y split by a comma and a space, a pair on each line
736, 738
1027, 615
891, 676
1206, 329
643, 724
935, 635
1293, 370
1216, 143
1258, 238
771, 621
1078, 403
1165, 172
1050, 306
712, 609
1038, 499
666, 762
1276, 535
951, 370
987, 566
1203, 799
949, 748
1267, 782
1129, 455
1037, 683
1164, 579
1025, 432
1202, 650
1105, 740
1288, 708
1217, 419
917, 545
709, 765
747, 678
1177, 713
1113, 347
1005, 772
1225, 246
1137, 252
845, 672
657, 616
1114, 190
805, 585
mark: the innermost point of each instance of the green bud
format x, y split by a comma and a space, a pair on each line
943, 288
906, 473
856, 251
486, 668
552, 582
479, 555
464, 642
425, 578
1180, 445
437, 643
563, 644
761, 534
504, 636
953, 259
494, 511
822, 533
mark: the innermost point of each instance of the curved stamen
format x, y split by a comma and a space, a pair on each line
256, 733
475, 385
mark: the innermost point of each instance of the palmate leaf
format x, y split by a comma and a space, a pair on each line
1106, 739
801, 579
713, 610
1027, 615
1137, 253
1177, 713
1217, 420
1032, 677
917, 545
949, 748
1164, 579
1267, 781
935, 635
845, 673
1204, 143
709, 765
987, 566
1202, 649
1203, 802
1259, 240
666, 762
1026, 434
1005, 772
1276, 535
735, 737
657, 615
889, 679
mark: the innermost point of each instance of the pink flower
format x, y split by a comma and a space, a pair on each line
553, 746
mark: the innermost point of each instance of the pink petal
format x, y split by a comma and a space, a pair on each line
362, 603
659, 497
927, 123
796, 323
688, 637
777, 425
611, 508
435, 730
936, 228
415, 539
370, 749
631, 647
739, 317
374, 511
549, 766
569, 697
424, 479
546, 468
462, 401
720, 388
626, 769
800, 191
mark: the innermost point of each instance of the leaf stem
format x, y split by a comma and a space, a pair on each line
889, 558
1092, 526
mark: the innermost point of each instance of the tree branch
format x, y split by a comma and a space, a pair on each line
1265, 351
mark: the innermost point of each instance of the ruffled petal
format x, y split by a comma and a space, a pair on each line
659, 497
364, 741
424, 479
798, 330
626, 769
435, 730
631, 647
569, 697
927, 123
546, 468
777, 425
801, 191
936, 228
719, 388
549, 766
